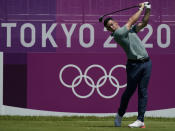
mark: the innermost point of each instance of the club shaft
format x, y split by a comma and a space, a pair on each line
121, 10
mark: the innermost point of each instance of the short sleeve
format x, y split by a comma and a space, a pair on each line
133, 28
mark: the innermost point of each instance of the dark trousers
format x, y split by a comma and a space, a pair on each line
138, 75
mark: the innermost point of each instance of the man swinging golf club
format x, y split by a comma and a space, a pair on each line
138, 65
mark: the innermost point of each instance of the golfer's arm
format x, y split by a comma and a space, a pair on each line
133, 19
144, 22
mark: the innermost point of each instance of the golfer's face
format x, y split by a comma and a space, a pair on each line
112, 25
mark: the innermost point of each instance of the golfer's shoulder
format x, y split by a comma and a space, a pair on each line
121, 31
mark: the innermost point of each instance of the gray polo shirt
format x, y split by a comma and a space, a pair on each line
130, 42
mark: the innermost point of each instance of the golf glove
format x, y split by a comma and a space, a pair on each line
147, 5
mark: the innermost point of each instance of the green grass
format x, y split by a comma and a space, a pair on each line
27, 123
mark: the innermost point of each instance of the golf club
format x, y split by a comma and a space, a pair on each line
101, 18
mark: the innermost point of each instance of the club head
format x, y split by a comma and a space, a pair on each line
100, 19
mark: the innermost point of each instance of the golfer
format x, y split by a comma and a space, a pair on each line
138, 66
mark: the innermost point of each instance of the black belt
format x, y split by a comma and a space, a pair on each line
139, 60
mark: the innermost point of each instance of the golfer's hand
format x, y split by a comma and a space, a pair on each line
142, 5
147, 5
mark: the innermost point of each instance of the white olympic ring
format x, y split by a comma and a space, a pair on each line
92, 84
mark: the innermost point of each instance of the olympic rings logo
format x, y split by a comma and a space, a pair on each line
101, 81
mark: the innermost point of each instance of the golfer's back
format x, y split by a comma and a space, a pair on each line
130, 42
